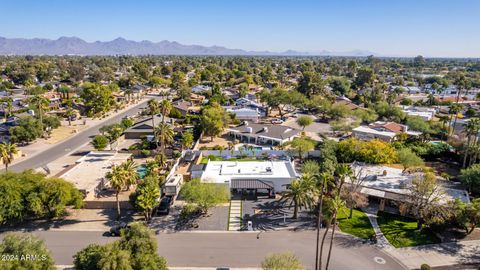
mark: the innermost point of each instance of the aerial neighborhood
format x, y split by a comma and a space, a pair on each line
384, 150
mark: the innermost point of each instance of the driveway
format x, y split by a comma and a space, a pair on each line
312, 130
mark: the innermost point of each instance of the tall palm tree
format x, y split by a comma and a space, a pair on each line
163, 134
336, 205
40, 104
342, 171
129, 168
323, 180
455, 108
471, 130
70, 113
7, 153
153, 108
7, 106
300, 193
165, 108
118, 181
161, 160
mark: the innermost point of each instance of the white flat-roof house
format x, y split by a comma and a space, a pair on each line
273, 175
263, 134
424, 112
385, 131
245, 114
392, 186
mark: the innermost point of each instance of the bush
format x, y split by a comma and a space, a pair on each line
100, 142
145, 152
25, 245
205, 195
32, 194
283, 261
425, 267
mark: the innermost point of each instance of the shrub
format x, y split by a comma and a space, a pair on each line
425, 267
284, 261
145, 152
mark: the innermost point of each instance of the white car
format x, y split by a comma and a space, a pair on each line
276, 121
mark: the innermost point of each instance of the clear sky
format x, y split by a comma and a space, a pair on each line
449, 28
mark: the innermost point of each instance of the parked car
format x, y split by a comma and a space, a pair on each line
276, 121
116, 230
164, 206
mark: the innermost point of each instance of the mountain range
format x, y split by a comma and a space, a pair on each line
121, 46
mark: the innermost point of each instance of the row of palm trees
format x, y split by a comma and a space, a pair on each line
320, 191
472, 146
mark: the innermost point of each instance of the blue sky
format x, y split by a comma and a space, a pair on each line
401, 27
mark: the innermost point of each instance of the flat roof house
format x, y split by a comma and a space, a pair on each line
263, 134
245, 114
391, 186
424, 112
385, 131
250, 175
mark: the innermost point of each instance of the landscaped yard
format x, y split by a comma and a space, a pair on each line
358, 225
402, 231
216, 158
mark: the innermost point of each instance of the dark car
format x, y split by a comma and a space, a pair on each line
164, 206
116, 229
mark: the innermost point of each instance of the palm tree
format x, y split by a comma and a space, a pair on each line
7, 153
163, 134
165, 108
342, 171
455, 108
129, 168
153, 108
471, 129
300, 193
117, 180
70, 113
7, 105
40, 103
161, 160
323, 180
336, 205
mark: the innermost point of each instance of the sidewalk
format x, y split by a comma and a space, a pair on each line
444, 254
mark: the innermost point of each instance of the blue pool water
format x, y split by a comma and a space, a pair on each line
255, 148
142, 171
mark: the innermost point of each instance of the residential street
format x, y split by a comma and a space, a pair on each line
208, 249
74, 142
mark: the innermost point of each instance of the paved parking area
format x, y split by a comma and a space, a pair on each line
273, 214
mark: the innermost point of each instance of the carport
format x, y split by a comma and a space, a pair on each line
252, 187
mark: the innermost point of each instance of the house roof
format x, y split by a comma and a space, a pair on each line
251, 184
269, 131
388, 126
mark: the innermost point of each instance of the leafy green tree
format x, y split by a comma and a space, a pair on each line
214, 120
365, 78
146, 196
205, 195
338, 111
187, 140
417, 123
304, 121
22, 246
97, 99
340, 86
282, 261
115, 258
468, 214
408, 159
7, 153
112, 133
470, 177
100, 142
88, 258
311, 167
301, 145
311, 83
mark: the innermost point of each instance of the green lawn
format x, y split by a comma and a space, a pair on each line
358, 225
402, 231
215, 158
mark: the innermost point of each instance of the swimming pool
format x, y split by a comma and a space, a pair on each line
142, 171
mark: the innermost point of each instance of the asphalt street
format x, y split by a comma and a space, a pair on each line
207, 249
72, 143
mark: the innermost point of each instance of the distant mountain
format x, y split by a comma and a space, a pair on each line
121, 46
